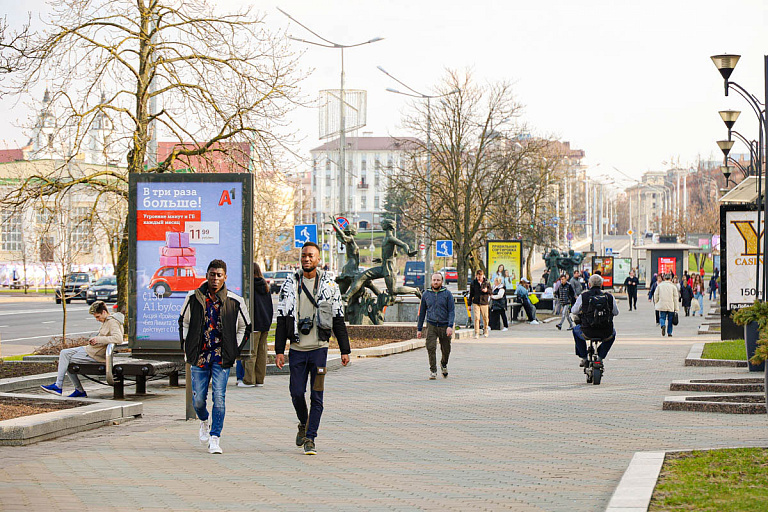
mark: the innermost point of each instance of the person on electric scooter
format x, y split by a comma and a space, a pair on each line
595, 310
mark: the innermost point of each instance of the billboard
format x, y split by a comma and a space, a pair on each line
178, 223
667, 265
604, 265
505, 252
621, 268
741, 258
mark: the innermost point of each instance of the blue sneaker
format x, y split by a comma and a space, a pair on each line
53, 389
78, 394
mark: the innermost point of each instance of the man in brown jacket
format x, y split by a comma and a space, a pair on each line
480, 294
111, 331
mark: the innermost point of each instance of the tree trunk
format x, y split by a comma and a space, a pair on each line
121, 272
528, 264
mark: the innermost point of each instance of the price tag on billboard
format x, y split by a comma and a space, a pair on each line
203, 232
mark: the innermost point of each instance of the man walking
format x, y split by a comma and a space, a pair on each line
308, 311
575, 283
630, 283
480, 293
438, 309
213, 328
567, 298
667, 300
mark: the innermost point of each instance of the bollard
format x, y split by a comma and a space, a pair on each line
190, 413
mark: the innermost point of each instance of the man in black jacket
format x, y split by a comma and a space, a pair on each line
567, 297
480, 294
213, 328
596, 310
310, 309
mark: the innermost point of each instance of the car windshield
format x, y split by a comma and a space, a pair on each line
282, 274
77, 278
109, 280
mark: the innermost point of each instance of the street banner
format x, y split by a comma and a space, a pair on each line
604, 265
741, 257
178, 223
508, 253
621, 268
667, 265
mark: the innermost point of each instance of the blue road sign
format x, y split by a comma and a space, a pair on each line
342, 222
569, 236
326, 247
303, 233
444, 248
608, 251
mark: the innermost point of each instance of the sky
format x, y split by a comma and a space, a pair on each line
630, 83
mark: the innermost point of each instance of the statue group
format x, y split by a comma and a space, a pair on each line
363, 298
561, 262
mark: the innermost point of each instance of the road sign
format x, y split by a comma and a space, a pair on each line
326, 247
303, 233
342, 222
569, 236
630, 232
444, 249
608, 251
422, 247
371, 248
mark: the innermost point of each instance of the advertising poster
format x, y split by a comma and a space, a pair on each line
179, 223
508, 253
622, 266
667, 264
741, 257
604, 265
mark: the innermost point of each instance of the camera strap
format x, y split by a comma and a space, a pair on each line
310, 296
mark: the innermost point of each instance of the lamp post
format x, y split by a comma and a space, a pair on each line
429, 97
725, 64
342, 100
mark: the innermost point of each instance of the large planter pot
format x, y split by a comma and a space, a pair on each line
750, 340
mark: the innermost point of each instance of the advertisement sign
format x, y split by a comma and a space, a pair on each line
508, 253
741, 257
667, 264
178, 223
604, 265
621, 268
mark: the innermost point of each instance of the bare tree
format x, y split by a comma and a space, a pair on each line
216, 82
13, 46
273, 216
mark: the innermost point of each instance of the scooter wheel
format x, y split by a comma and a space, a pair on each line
597, 375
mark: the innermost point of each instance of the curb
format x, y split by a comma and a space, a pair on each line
390, 348
694, 359
17, 383
332, 363
635, 489
738, 385
681, 403
49, 425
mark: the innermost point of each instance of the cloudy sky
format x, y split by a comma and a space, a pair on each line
630, 83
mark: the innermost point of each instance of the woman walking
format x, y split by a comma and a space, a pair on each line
255, 367
656, 281
698, 293
686, 295
499, 304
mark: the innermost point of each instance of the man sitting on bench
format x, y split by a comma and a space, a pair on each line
111, 331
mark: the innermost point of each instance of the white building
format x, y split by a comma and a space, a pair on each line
370, 163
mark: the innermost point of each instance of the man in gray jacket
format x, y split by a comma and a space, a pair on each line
575, 283
438, 309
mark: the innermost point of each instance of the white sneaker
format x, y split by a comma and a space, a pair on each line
432, 375
486, 334
213, 445
477, 336
534, 322
205, 429
505, 329
259, 385
242, 384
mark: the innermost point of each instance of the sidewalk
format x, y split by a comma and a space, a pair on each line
514, 427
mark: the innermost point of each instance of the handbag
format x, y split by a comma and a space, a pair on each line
675, 319
695, 305
533, 298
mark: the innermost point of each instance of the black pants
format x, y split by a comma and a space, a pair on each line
435, 333
632, 296
308, 365
498, 316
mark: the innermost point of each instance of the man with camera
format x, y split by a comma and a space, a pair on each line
308, 312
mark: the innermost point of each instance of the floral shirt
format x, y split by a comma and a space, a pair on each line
210, 352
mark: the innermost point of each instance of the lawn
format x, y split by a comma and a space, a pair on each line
707, 266
735, 480
734, 349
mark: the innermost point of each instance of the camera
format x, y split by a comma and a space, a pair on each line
305, 325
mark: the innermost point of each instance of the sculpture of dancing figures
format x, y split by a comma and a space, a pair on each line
351, 267
551, 259
387, 269
568, 261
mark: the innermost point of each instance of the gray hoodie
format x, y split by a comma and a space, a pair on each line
437, 307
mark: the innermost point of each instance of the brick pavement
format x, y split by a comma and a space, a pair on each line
514, 427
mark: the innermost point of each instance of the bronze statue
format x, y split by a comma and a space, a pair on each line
351, 269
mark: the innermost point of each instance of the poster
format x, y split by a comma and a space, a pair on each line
667, 265
621, 269
604, 265
508, 253
179, 223
741, 255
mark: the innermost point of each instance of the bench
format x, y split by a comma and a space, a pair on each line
116, 370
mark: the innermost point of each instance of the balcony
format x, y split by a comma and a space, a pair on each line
362, 185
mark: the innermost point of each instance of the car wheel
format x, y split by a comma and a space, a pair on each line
67, 300
89, 302
162, 290
58, 300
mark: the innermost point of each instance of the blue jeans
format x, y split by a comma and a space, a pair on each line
581, 343
201, 377
239, 370
700, 297
665, 318
304, 365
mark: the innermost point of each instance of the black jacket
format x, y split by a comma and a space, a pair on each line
589, 330
235, 325
480, 293
686, 294
262, 305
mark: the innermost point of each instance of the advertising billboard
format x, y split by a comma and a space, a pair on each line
508, 253
621, 268
604, 265
741, 258
667, 265
178, 223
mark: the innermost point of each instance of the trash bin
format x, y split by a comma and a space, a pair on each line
751, 334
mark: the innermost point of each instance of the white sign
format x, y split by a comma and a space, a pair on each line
742, 239
203, 232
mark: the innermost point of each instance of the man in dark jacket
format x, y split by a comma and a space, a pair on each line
566, 297
438, 309
596, 310
480, 293
213, 327
310, 309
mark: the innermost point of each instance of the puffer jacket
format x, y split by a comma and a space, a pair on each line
666, 297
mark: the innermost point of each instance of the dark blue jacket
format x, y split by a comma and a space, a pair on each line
437, 307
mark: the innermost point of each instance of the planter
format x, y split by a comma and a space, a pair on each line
751, 334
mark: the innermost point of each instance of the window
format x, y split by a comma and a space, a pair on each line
363, 202
10, 231
166, 272
363, 165
43, 216
327, 175
390, 163
81, 229
376, 202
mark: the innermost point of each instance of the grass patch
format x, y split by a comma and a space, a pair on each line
707, 481
14, 358
734, 350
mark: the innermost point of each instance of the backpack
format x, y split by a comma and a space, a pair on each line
598, 313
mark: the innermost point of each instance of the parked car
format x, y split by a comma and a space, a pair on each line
414, 274
450, 274
104, 289
278, 280
269, 277
167, 280
76, 287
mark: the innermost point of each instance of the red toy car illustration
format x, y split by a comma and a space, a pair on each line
167, 280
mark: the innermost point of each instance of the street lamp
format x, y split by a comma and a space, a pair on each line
725, 64
342, 100
726, 170
416, 94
